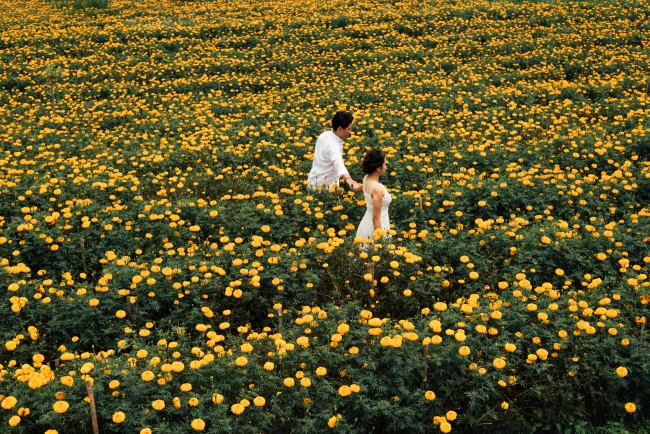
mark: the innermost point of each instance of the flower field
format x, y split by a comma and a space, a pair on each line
159, 249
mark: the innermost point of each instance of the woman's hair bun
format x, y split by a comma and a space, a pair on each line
373, 159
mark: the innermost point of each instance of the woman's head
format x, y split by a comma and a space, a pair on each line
373, 160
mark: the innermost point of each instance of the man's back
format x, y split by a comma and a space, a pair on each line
328, 166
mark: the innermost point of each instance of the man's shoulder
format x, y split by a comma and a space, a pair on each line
328, 137
325, 135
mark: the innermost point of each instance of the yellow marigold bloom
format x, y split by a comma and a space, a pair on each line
237, 409
148, 376
625, 342
473, 275
440, 306
511, 348
193, 402
542, 353
60, 407
289, 382
499, 363
445, 427
429, 395
343, 329
394, 264
305, 382
320, 371
112, 385
630, 407
344, 391
451, 415
559, 272
118, 417
158, 404
198, 424
269, 366
217, 398
246, 347
186, 387
504, 405
621, 371
259, 401
332, 421
354, 350
14, 420
303, 341
464, 351
355, 388
143, 431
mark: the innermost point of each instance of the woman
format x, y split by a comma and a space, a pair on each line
377, 197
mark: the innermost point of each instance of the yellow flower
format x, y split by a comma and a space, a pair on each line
499, 363
147, 376
237, 409
158, 404
112, 385
186, 387
630, 407
559, 272
118, 417
451, 415
14, 420
429, 395
320, 371
445, 427
217, 398
60, 407
9, 402
198, 424
143, 431
504, 405
344, 391
621, 371
259, 401
332, 421
464, 351
289, 382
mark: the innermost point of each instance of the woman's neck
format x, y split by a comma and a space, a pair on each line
374, 176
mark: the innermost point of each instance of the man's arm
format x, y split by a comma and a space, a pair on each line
336, 157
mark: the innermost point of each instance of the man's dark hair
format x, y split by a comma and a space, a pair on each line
341, 119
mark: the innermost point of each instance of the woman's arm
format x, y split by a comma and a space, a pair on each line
377, 196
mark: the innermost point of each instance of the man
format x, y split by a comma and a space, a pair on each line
328, 165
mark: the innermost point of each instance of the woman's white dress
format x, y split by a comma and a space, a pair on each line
366, 227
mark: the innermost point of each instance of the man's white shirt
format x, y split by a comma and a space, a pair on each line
328, 165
